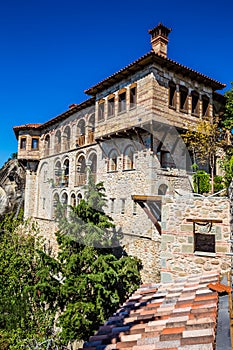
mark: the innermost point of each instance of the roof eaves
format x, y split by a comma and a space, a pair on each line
145, 60
64, 115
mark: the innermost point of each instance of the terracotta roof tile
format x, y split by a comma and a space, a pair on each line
181, 315
220, 288
147, 59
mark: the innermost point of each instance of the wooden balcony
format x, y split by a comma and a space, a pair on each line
80, 140
90, 137
81, 179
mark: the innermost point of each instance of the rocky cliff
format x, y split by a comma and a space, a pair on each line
12, 185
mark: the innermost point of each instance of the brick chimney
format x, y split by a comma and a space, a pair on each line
159, 39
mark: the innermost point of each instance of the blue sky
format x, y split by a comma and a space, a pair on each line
52, 50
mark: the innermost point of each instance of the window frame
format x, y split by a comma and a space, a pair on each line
111, 106
23, 143
184, 95
35, 139
122, 102
172, 97
101, 110
133, 96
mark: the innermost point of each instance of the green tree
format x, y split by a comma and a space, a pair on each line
227, 120
94, 280
205, 140
23, 314
81, 286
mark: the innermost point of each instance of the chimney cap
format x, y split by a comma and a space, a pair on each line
160, 30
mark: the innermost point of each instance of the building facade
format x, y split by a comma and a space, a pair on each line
128, 135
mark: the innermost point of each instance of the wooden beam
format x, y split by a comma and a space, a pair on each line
151, 217
213, 221
144, 198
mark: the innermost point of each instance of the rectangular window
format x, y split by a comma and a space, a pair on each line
172, 95
112, 208
183, 99
35, 143
166, 160
111, 107
101, 111
134, 208
205, 106
204, 242
23, 143
133, 97
122, 102
122, 206
195, 104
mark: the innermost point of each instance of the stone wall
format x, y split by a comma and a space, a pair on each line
182, 219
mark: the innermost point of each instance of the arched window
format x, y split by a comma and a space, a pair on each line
91, 129
47, 145
55, 203
195, 103
172, 95
73, 201
79, 197
93, 165
57, 174
162, 189
65, 173
64, 202
66, 138
81, 171
183, 99
112, 161
58, 141
128, 158
81, 133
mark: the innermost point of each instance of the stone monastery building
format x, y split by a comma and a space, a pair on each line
128, 134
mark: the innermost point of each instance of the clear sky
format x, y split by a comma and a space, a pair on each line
52, 50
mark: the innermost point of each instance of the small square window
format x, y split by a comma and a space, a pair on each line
204, 242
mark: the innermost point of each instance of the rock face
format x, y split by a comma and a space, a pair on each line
12, 185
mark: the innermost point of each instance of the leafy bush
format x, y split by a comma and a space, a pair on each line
201, 182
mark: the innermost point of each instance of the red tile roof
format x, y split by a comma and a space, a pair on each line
180, 315
75, 108
149, 58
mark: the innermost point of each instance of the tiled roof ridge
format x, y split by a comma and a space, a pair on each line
152, 54
24, 126
175, 315
75, 108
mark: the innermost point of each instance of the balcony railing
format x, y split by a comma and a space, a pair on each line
80, 140
90, 137
81, 179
